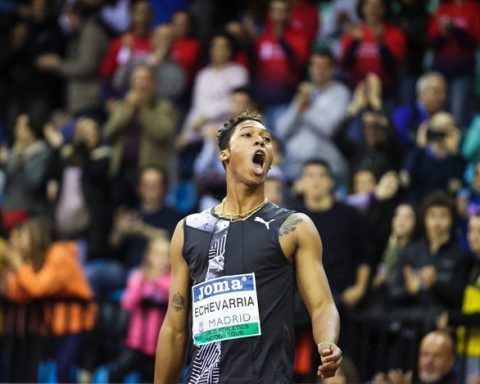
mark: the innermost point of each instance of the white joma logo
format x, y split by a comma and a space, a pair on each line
219, 287
267, 223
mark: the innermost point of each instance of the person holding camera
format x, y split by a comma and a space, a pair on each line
436, 162
379, 147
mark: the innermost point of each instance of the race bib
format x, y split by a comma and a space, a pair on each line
225, 308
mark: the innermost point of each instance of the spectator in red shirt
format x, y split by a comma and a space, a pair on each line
186, 47
132, 45
281, 54
304, 18
454, 34
374, 46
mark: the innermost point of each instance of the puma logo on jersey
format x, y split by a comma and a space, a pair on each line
267, 223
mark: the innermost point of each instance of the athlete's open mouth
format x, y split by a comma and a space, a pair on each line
258, 161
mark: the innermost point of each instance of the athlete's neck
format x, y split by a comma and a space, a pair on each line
240, 199
319, 203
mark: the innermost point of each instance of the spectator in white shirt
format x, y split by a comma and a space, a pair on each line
312, 117
212, 89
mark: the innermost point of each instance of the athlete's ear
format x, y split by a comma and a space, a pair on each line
224, 155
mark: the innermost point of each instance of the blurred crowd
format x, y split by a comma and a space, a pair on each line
109, 111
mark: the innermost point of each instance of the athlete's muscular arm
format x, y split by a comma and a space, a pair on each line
172, 340
306, 248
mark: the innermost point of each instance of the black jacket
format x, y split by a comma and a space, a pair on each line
451, 267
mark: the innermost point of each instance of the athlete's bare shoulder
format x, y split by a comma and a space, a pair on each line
293, 222
294, 230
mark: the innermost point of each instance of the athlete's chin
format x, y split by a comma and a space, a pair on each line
255, 180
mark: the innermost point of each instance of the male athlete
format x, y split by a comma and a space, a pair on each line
233, 272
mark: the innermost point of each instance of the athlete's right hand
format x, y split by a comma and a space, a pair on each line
331, 357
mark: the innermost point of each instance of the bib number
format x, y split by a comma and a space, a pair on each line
225, 308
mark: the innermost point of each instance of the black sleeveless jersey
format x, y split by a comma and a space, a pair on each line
215, 247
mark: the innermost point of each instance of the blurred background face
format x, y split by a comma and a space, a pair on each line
438, 222
442, 123
162, 36
141, 14
143, 82
435, 359
474, 234
39, 10
373, 10
279, 12
241, 102
364, 182
180, 24
90, 132
220, 50
23, 131
157, 255
316, 181
373, 131
403, 222
433, 96
321, 69
150, 188
74, 21
274, 191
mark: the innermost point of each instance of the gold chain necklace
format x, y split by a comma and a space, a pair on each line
243, 216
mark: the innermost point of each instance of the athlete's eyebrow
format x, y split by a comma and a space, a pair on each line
253, 126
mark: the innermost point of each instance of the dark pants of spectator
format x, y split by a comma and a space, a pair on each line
67, 349
105, 277
132, 360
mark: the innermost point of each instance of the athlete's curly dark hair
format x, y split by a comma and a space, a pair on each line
224, 134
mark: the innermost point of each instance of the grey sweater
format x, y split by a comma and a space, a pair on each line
308, 134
